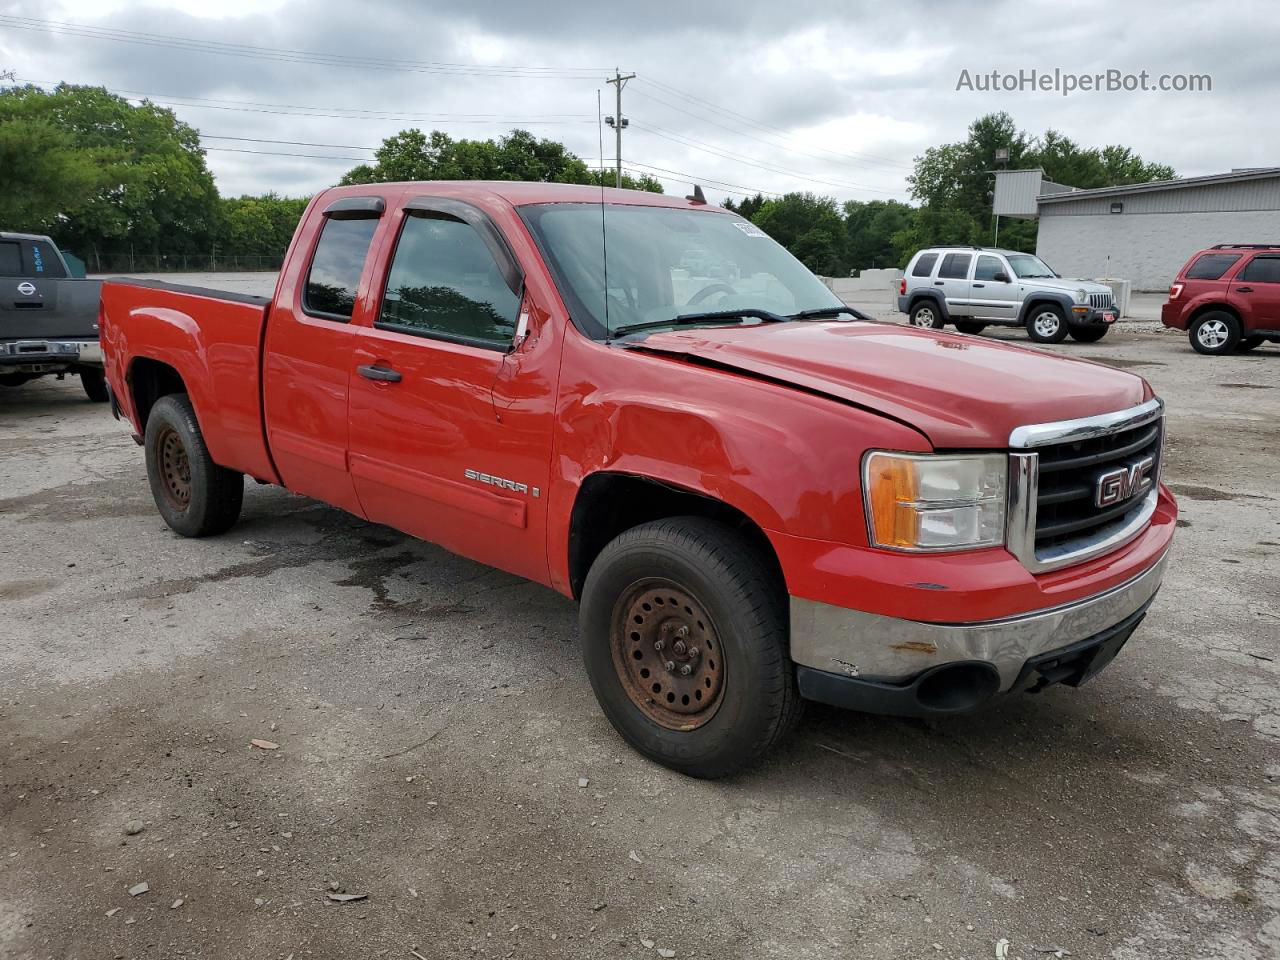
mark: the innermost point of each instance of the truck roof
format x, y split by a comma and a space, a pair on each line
4, 235
520, 193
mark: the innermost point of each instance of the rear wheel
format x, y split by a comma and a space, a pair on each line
1088, 334
926, 314
1215, 333
1250, 343
1046, 323
94, 382
970, 326
196, 497
684, 635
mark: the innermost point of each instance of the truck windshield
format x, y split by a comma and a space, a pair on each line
666, 263
1029, 267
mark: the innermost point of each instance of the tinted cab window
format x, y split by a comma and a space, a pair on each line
987, 268
445, 284
336, 266
30, 258
10, 259
924, 266
1211, 266
1261, 270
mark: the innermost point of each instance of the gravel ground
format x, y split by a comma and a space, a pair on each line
434, 730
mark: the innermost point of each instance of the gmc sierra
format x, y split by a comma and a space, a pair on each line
648, 405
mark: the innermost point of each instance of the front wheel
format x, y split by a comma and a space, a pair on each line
1215, 333
927, 314
196, 497
94, 382
684, 636
1046, 324
1088, 334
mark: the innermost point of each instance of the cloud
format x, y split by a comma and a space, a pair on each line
835, 97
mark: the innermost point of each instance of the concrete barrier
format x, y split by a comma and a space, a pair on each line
868, 282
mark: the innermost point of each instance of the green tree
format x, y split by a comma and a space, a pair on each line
150, 189
259, 226
414, 155
811, 227
871, 228
746, 207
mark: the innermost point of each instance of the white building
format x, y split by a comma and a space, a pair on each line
1143, 232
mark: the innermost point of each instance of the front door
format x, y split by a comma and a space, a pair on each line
451, 411
953, 281
993, 299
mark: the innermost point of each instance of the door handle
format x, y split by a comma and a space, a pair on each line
1244, 289
381, 374
979, 284
937, 283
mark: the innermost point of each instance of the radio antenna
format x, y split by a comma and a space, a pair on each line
604, 236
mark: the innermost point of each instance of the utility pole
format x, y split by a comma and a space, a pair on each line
618, 121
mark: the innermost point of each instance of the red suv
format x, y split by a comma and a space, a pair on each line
1227, 298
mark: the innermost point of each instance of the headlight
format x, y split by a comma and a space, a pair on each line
927, 502
1082, 295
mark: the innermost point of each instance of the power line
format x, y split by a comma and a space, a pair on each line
342, 113
694, 178
284, 55
865, 160
706, 148
290, 143
273, 153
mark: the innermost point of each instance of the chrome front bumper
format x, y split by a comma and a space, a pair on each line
50, 351
876, 648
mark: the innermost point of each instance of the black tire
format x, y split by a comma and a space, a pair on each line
927, 313
196, 497
1046, 323
94, 382
721, 573
1214, 333
971, 327
1249, 343
14, 379
1090, 334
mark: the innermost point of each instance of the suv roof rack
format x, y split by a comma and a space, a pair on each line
956, 246
1245, 246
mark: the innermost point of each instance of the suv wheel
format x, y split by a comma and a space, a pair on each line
684, 636
1215, 333
926, 314
1046, 323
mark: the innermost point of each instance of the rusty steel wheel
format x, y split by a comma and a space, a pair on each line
175, 468
667, 654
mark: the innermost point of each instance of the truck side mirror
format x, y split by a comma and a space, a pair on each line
1001, 277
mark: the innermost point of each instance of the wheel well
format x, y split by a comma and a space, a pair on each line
1034, 302
921, 298
1213, 308
149, 380
610, 503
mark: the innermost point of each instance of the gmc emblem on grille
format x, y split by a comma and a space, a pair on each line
1116, 486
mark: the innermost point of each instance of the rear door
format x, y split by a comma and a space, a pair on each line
450, 413
1256, 287
994, 299
309, 348
37, 301
953, 281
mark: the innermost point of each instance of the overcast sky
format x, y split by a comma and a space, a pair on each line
835, 97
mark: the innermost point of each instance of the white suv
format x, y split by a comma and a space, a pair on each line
972, 287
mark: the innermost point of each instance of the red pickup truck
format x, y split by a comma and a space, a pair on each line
642, 401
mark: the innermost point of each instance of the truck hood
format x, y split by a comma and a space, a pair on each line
960, 392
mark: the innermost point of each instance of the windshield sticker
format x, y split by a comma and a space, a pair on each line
750, 229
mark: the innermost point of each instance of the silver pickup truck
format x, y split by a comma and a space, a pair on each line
48, 318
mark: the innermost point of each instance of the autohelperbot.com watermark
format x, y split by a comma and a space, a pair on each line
1057, 80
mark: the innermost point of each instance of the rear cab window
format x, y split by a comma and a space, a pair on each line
10, 259
955, 266
30, 258
1211, 266
336, 266
924, 266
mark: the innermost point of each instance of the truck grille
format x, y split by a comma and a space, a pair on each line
1102, 301
1082, 488
1066, 508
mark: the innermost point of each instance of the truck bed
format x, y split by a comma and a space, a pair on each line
212, 339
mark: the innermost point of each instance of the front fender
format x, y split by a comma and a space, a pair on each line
1063, 300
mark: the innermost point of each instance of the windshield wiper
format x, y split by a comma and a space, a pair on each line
689, 319
821, 312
